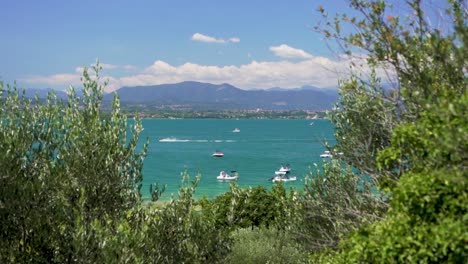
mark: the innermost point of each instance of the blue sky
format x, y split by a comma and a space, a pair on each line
250, 44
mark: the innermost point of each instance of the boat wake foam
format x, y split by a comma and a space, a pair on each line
173, 140
178, 140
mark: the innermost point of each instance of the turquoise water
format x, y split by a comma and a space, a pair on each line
259, 149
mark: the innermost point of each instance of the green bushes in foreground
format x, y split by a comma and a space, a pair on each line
422, 165
334, 202
70, 176
262, 245
70, 192
428, 217
172, 233
250, 207
70, 179
63, 165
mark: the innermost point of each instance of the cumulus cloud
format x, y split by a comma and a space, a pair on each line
204, 38
64, 79
316, 71
285, 51
107, 66
129, 67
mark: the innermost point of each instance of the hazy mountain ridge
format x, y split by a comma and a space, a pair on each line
226, 96
192, 95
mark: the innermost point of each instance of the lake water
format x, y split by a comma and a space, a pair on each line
259, 149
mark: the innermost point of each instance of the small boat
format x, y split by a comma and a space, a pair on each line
218, 154
284, 169
236, 130
326, 154
225, 176
283, 174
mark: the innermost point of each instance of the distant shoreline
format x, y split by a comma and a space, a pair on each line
228, 114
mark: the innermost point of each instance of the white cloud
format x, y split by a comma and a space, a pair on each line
129, 67
64, 79
108, 66
204, 38
316, 71
285, 51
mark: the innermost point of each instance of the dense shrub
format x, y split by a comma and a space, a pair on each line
62, 165
423, 167
249, 207
335, 201
262, 245
170, 233
70, 179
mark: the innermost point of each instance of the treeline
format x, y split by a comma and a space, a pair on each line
70, 175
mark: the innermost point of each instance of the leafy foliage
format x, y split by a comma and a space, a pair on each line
70, 179
62, 163
426, 150
249, 207
261, 245
428, 218
173, 233
415, 60
334, 202
364, 119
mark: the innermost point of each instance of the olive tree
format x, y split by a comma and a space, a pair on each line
423, 161
408, 56
63, 165
335, 201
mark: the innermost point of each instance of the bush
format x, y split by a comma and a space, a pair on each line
62, 165
249, 207
334, 202
428, 217
173, 233
262, 245
423, 166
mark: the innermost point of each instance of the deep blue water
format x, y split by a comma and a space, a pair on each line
259, 149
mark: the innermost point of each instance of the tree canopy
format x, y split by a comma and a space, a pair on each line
410, 137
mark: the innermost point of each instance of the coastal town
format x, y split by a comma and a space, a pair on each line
231, 114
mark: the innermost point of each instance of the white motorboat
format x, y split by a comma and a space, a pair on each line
326, 154
218, 154
283, 174
284, 169
236, 130
225, 176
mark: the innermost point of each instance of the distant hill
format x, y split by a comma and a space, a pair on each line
197, 95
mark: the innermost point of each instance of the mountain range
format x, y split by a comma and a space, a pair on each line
198, 95
206, 96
